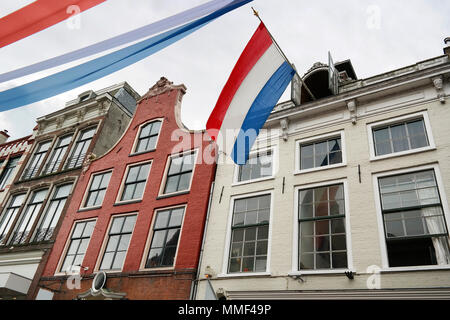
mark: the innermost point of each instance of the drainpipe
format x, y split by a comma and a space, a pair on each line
194, 286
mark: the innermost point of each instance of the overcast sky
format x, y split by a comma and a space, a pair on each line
378, 36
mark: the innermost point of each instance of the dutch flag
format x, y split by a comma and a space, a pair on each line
255, 85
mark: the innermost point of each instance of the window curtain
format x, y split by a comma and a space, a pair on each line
434, 222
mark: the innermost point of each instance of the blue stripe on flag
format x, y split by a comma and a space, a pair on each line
260, 111
95, 69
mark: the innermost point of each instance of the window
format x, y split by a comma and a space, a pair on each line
9, 215
249, 234
259, 165
51, 216
6, 174
118, 239
28, 217
148, 136
80, 149
135, 182
415, 229
97, 189
321, 153
36, 160
58, 154
180, 173
400, 137
322, 236
166, 232
79, 242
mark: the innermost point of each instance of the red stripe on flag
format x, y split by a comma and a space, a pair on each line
38, 16
256, 47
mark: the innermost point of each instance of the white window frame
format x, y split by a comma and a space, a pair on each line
348, 235
150, 238
382, 237
106, 238
68, 241
326, 136
86, 192
75, 140
418, 115
226, 257
136, 138
166, 171
274, 153
124, 178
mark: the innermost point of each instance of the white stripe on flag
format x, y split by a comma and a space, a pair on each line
253, 83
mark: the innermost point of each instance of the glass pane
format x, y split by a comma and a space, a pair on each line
249, 248
185, 180
238, 219
307, 244
307, 228
143, 173
128, 192
123, 242
169, 256
244, 173
263, 216
88, 133
172, 237
306, 156
155, 127
323, 243
132, 174
73, 246
335, 157
261, 247
321, 154
176, 217
83, 246
337, 207
145, 131
394, 229
235, 265
152, 143
306, 211
323, 261
321, 194
117, 225
382, 148
158, 238
399, 138
321, 209
236, 249
89, 229
251, 217
63, 191
79, 227
238, 235
96, 182
171, 184
188, 162
339, 260
263, 232
139, 190
307, 261
240, 205
107, 261
338, 226
322, 227
250, 234
247, 264
338, 242
118, 260
252, 204
154, 258
162, 219
113, 242
175, 165
260, 264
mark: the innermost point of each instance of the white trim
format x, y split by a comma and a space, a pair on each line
242, 275
321, 272
124, 178
106, 239
419, 115
381, 232
348, 237
150, 238
136, 138
86, 191
228, 234
62, 257
264, 150
314, 139
166, 171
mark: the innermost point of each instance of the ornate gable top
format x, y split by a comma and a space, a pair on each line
161, 86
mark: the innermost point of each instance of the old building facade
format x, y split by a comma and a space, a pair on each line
35, 203
137, 214
343, 196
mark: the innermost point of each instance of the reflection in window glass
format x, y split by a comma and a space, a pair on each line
320, 154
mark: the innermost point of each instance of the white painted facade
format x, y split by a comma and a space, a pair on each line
420, 90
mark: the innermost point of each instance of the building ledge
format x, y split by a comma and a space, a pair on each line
13, 286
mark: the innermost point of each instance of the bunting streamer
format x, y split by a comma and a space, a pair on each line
95, 69
38, 16
140, 33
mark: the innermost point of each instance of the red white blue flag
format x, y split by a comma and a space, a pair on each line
255, 85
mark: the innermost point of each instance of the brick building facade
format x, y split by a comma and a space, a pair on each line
138, 212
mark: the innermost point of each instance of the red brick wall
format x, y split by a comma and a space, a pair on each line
161, 106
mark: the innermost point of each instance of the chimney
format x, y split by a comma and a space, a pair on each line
3, 136
447, 46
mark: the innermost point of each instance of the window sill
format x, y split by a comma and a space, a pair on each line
126, 202
402, 153
89, 208
141, 152
339, 165
321, 272
157, 269
235, 184
412, 269
163, 196
243, 275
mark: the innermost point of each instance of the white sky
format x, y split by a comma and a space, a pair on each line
378, 36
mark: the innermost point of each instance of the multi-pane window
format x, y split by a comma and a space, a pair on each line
320, 154
80, 148
118, 239
9, 215
135, 182
28, 217
79, 242
58, 154
180, 172
166, 231
148, 137
6, 174
97, 189
36, 160
322, 237
400, 137
249, 235
258, 166
414, 223
51, 216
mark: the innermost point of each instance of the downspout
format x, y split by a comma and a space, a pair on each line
194, 286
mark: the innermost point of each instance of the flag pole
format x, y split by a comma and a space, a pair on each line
282, 53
